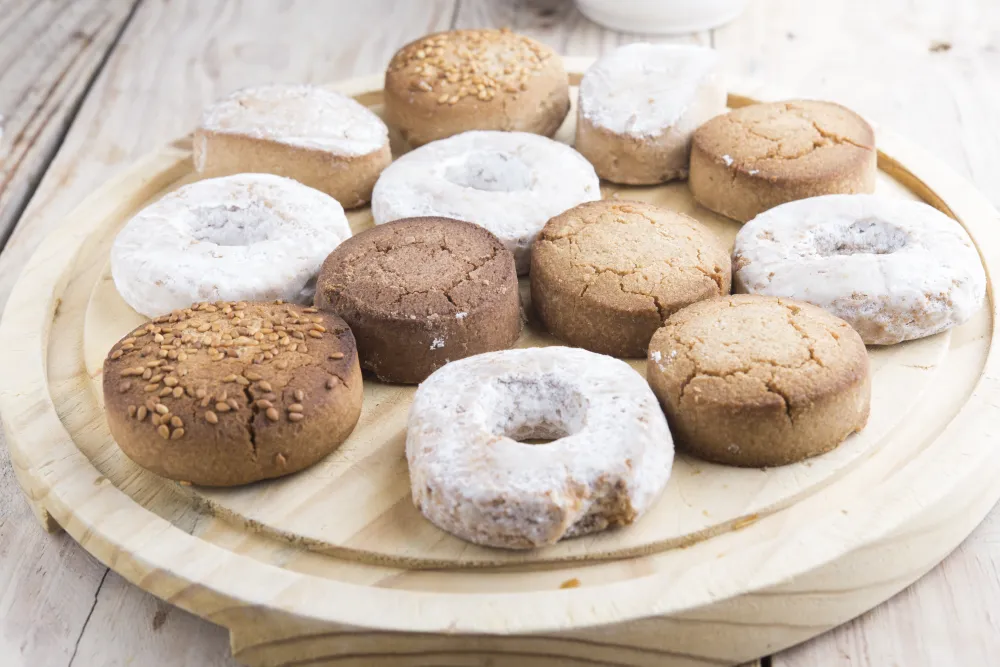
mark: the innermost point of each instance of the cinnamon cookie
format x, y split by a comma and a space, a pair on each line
421, 292
451, 82
230, 393
758, 381
756, 157
605, 275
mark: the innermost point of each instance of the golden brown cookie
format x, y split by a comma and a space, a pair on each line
228, 393
605, 275
421, 292
758, 381
756, 157
451, 82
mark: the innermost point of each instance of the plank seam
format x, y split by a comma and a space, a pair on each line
74, 110
86, 621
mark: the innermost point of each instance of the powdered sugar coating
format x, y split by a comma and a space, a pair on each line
470, 477
511, 183
244, 237
299, 115
894, 269
642, 90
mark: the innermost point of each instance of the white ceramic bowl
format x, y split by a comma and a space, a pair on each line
661, 17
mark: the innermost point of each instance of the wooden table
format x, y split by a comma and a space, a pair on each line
88, 86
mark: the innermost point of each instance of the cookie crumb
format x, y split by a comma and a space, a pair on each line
570, 583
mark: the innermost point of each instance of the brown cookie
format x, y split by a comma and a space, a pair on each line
452, 82
756, 157
421, 292
606, 274
228, 393
758, 381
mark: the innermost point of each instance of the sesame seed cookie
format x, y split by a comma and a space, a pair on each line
451, 82
756, 157
318, 137
226, 393
605, 275
758, 381
421, 292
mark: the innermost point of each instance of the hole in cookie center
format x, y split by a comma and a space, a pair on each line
537, 410
868, 236
493, 171
233, 225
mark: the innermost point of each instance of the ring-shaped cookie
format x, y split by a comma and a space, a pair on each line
511, 183
472, 475
894, 269
250, 237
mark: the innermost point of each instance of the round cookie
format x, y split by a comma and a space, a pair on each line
472, 474
756, 157
640, 105
451, 82
605, 275
757, 381
318, 137
511, 183
244, 237
421, 292
894, 269
226, 393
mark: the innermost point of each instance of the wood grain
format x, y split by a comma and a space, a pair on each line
770, 583
929, 69
50, 51
174, 58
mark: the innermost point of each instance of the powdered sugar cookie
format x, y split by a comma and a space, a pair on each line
323, 139
639, 107
250, 237
472, 477
894, 269
511, 183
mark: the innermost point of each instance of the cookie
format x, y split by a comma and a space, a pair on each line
758, 381
229, 393
639, 107
893, 269
472, 474
452, 82
756, 157
318, 137
605, 275
421, 292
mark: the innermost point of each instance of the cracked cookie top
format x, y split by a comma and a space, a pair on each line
799, 140
747, 351
417, 268
632, 257
260, 377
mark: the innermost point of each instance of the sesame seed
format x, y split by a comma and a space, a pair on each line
200, 393
176, 422
131, 411
147, 374
272, 414
222, 407
337, 355
162, 409
279, 459
156, 378
177, 434
223, 396
299, 395
164, 431
253, 376
233, 403
310, 309
295, 416
184, 482
141, 413
211, 417
264, 404
151, 388
116, 354
125, 386
264, 385
331, 382
230, 378
166, 391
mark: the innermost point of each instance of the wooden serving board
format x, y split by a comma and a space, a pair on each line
335, 566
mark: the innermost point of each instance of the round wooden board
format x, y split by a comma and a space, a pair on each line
334, 566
